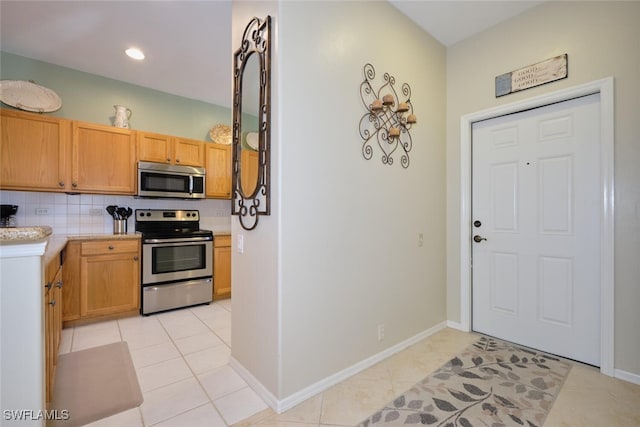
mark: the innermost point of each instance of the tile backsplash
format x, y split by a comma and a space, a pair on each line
74, 214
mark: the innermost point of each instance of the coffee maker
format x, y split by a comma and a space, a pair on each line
7, 215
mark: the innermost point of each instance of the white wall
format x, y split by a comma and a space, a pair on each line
255, 333
339, 254
600, 39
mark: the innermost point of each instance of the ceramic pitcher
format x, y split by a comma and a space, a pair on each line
123, 114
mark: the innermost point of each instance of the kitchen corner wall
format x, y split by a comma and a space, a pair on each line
90, 98
70, 214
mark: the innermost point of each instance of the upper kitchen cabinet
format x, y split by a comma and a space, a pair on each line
154, 147
33, 152
103, 159
218, 166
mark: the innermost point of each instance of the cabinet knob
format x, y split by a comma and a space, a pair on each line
135, 258
59, 284
111, 247
168, 160
48, 285
74, 184
53, 302
177, 160
61, 184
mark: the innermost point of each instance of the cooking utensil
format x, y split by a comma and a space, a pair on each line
111, 209
129, 212
121, 212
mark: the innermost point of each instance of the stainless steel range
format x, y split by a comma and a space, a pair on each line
177, 259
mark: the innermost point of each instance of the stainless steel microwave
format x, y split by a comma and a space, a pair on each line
171, 181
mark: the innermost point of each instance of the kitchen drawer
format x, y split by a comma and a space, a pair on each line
105, 247
221, 241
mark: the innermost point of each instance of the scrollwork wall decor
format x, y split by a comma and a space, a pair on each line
388, 119
251, 176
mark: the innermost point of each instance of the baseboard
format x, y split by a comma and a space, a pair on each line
289, 402
456, 325
627, 376
255, 385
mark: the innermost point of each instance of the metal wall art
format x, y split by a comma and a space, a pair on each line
388, 119
251, 104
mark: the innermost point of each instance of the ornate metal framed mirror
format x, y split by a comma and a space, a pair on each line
252, 124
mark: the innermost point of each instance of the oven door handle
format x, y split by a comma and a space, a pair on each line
178, 240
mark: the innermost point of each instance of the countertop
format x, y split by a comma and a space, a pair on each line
17, 235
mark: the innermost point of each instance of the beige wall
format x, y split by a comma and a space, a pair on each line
349, 227
601, 40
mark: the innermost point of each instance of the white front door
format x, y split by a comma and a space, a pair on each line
535, 199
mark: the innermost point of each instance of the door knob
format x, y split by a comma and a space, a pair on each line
477, 238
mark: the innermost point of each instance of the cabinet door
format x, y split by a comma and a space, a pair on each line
222, 267
57, 314
109, 284
53, 326
218, 166
71, 279
154, 147
48, 342
33, 152
248, 171
188, 152
103, 159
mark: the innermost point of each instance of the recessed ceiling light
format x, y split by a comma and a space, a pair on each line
134, 53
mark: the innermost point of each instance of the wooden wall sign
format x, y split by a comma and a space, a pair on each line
533, 75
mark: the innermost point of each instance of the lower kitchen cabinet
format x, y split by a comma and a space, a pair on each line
221, 267
104, 278
52, 320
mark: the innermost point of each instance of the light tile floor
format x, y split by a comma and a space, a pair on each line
182, 362
587, 398
181, 359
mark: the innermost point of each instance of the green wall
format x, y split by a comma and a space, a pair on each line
91, 98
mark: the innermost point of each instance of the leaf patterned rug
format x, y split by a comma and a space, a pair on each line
491, 383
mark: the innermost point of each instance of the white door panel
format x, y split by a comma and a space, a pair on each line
536, 279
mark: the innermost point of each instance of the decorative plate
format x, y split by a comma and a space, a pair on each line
220, 134
29, 96
252, 140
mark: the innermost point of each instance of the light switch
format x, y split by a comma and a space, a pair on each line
240, 243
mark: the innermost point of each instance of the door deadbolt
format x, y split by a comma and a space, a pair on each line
477, 238
477, 223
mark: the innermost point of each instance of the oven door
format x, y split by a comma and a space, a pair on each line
169, 260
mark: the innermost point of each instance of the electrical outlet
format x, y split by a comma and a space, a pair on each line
420, 240
95, 212
42, 211
381, 332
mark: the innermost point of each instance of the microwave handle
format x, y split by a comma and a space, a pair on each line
190, 184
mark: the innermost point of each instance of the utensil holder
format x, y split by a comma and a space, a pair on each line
119, 226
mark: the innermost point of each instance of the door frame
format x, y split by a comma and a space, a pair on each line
606, 90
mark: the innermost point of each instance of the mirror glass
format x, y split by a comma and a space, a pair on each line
249, 125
